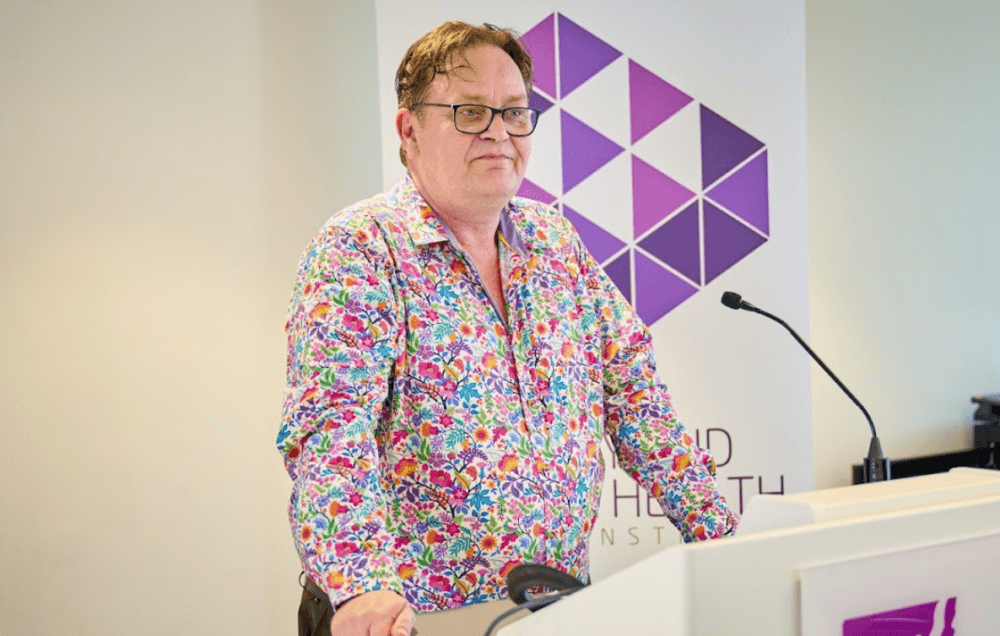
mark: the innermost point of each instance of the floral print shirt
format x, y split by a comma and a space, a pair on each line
434, 444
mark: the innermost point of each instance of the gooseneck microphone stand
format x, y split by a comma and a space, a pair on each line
876, 465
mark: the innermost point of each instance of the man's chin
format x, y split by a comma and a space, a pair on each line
504, 187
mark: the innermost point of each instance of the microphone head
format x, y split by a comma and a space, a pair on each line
732, 300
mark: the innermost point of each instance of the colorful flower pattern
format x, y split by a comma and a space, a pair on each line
433, 444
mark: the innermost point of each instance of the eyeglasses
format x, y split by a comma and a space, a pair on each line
475, 119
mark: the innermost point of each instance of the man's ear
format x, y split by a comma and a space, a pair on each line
406, 124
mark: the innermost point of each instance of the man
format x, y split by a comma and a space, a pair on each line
455, 358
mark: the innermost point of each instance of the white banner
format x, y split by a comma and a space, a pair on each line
674, 138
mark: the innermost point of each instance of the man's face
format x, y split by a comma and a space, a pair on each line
456, 171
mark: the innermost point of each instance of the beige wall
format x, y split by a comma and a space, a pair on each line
162, 165
321, 153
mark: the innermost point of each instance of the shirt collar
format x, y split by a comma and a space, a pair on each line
426, 227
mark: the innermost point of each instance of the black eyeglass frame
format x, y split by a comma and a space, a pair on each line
493, 113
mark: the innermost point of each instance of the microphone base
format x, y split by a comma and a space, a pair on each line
876, 465
876, 470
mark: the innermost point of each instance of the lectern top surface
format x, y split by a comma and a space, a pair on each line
955, 479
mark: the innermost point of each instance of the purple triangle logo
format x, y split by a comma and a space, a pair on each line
541, 44
535, 100
584, 151
620, 273
654, 196
581, 55
600, 243
657, 290
727, 241
744, 193
651, 100
682, 239
678, 243
723, 146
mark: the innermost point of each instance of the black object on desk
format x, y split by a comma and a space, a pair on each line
987, 418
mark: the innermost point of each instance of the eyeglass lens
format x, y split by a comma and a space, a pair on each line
472, 118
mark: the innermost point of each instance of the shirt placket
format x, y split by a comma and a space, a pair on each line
513, 269
511, 276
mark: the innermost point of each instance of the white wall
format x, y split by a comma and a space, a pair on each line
162, 165
903, 130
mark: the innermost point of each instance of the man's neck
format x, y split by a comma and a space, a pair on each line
474, 224
477, 235
475, 228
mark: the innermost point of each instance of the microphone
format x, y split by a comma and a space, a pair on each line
735, 301
876, 466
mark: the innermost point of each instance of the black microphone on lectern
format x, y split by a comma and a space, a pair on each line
877, 465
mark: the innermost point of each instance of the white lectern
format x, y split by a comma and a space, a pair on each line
917, 556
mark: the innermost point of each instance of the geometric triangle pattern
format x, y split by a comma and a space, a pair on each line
537, 100
674, 147
620, 272
600, 243
677, 243
585, 150
540, 41
581, 55
653, 100
603, 102
727, 241
654, 196
723, 146
658, 290
697, 201
610, 188
744, 193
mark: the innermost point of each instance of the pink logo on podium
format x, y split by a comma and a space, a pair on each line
666, 193
916, 620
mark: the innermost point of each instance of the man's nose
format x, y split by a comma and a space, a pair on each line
497, 130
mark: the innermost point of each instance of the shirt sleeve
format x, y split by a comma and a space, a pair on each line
342, 342
649, 440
